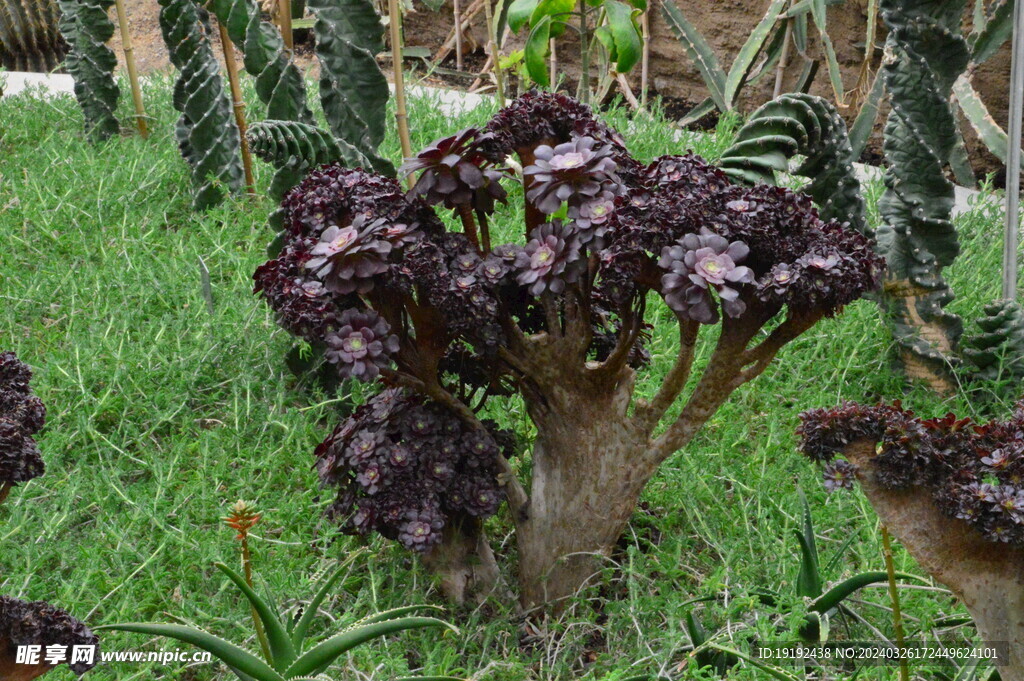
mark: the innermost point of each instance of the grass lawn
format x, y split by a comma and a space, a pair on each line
163, 412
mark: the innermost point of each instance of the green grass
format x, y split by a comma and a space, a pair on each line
161, 414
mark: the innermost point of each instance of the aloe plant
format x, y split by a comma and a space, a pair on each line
29, 35
291, 656
207, 133
87, 28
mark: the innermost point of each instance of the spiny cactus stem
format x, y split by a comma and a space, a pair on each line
1013, 158
238, 104
133, 74
894, 596
401, 115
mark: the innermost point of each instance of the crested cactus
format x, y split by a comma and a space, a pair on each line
29, 36
293, 148
811, 127
206, 132
925, 54
997, 352
353, 91
279, 83
86, 27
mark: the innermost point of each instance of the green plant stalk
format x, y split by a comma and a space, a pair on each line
401, 115
261, 633
492, 40
583, 92
894, 596
133, 74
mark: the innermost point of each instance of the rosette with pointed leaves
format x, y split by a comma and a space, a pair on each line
973, 472
86, 27
207, 133
22, 415
455, 171
362, 344
40, 624
550, 260
404, 466
698, 264
576, 172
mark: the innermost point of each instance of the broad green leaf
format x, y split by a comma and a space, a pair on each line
536, 51
751, 48
624, 33
700, 52
981, 120
281, 648
324, 653
228, 653
558, 10
519, 13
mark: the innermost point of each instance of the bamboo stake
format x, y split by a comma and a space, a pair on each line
401, 115
894, 596
495, 53
133, 75
645, 59
449, 43
627, 91
285, 19
780, 69
553, 64
1010, 239
239, 106
458, 34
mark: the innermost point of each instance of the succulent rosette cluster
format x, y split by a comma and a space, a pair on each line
974, 472
40, 624
22, 415
445, 320
406, 467
457, 171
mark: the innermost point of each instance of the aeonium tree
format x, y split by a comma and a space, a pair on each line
952, 491
446, 320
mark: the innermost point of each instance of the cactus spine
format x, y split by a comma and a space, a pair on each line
29, 35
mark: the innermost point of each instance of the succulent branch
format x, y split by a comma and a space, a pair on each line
808, 126
86, 27
30, 38
925, 55
353, 90
207, 133
996, 352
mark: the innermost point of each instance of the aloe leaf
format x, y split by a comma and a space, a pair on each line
395, 613
804, 6
700, 52
864, 124
981, 120
228, 653
751, 48
281, 648
431, 678
835, 76
840, 592
302, 627
997, 29
536, 51
698, 112
623, 31
324, 653
808, 581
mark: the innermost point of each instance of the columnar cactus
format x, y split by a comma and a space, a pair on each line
207, 133
996, 353
925, 54
30, 39
86, 27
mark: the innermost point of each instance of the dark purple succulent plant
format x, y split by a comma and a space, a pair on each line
22, 415
362, 344
550, 260
348, 258
38, 623
699, 264
456, 171
575, 172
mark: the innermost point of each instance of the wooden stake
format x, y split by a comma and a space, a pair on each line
645, 59
401, 115
458, 34
553, 64
627, 91
133, 74
285, 10
238, 104
494, 57
467, 18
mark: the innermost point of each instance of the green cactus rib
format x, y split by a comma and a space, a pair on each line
279, 84
353, 90
87, 27
925, 55
293, 148
30, 39
997, 351
207, 133
809, 126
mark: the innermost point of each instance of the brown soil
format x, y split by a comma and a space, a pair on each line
724, 23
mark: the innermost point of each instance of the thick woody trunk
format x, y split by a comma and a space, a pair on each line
9, 671
464, 563
588, 473
988, 578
